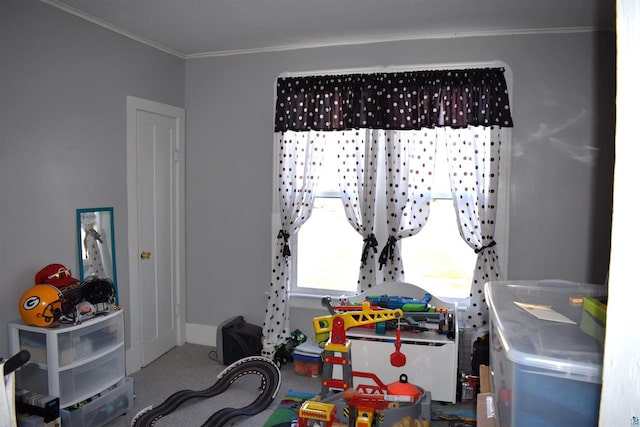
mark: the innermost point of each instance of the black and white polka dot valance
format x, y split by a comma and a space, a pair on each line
399, 101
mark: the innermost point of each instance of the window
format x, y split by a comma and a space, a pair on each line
437, 258
327, 248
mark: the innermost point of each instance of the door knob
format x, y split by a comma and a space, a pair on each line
145, 255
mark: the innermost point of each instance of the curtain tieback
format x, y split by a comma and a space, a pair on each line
95, 235
490, 245
387, 252
370, 243
286, 251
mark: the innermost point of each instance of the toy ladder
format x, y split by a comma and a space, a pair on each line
336, 355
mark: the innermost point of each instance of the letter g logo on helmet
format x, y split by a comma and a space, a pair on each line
31, 302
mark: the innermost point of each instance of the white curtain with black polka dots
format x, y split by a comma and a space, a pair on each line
473, 155
415, 101
401, 100
410, 165
92, 244
357, 172
300, 156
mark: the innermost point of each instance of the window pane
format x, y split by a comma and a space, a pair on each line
437, 259
328, 249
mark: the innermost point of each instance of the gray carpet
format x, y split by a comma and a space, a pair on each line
191, 367
194, 367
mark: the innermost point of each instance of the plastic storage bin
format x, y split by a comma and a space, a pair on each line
307, 359
79, 382
81, 344
74, 344
310, 366
83, 379
544, 372
102, 408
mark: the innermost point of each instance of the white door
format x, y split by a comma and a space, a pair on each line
156, 231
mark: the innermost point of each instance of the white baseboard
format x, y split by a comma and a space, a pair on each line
201, 334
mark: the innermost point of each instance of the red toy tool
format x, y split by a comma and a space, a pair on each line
397, 357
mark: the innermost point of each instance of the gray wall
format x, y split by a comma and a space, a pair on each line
63, 88
562, 159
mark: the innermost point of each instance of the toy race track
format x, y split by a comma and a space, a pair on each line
255, 365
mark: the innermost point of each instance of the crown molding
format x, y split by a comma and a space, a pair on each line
413, 37
371, 40
114, 28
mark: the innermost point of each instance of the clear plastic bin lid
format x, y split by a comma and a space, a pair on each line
538, 325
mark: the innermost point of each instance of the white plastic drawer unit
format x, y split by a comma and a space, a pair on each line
82, 380
72, 362
73, 344
103, 408
75, 384
84, 343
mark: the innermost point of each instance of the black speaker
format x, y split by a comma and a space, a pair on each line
237, 339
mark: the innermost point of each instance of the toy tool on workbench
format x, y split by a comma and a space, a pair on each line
403, 303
